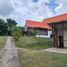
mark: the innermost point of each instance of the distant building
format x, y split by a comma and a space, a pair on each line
59, 28
42, 29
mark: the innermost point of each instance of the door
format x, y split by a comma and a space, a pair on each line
61, 41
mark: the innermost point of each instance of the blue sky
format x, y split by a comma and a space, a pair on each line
37, 10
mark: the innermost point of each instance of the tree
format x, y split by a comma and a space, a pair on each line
3, 27
11, 24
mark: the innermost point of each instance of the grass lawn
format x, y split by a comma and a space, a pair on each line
2, 41
34, 43
36, 58
30, 55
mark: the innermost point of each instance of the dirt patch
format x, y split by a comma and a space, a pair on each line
56, 50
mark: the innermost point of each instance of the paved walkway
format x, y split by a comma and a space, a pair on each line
56, 50
8, 55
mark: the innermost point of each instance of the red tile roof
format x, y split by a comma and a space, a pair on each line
44, 24
30, 23
56, 19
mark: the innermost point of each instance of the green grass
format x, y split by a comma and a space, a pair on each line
2, 41
30, 55
34, 43
36, 58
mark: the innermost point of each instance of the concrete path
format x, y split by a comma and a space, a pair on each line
56, 50
8, 55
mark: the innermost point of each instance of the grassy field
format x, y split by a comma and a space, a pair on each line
34, 43
2, 41
30, 55
36, 58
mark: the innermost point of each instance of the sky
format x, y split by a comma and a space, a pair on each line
37, 10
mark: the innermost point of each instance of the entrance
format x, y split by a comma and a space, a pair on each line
61, 41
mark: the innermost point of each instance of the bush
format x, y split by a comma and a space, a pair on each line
16, 33
33, 34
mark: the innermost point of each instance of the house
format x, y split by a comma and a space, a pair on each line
41, 29
59, 29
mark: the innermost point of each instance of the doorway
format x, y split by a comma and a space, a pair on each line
61, 41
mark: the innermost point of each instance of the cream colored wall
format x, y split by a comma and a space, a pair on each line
65, 38
59, 34
59, 27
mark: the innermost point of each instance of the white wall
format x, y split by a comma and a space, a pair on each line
45, 36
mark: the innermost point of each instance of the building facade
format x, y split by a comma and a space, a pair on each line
39, 28
59, 29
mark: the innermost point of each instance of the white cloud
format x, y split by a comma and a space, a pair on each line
27, 9
5, 7
63, 9
57, 8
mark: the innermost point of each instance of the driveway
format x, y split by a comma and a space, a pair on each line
56, 50
8, 55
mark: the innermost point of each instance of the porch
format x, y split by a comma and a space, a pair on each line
60, 33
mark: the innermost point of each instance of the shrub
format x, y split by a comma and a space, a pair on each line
33, 33
16, 33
